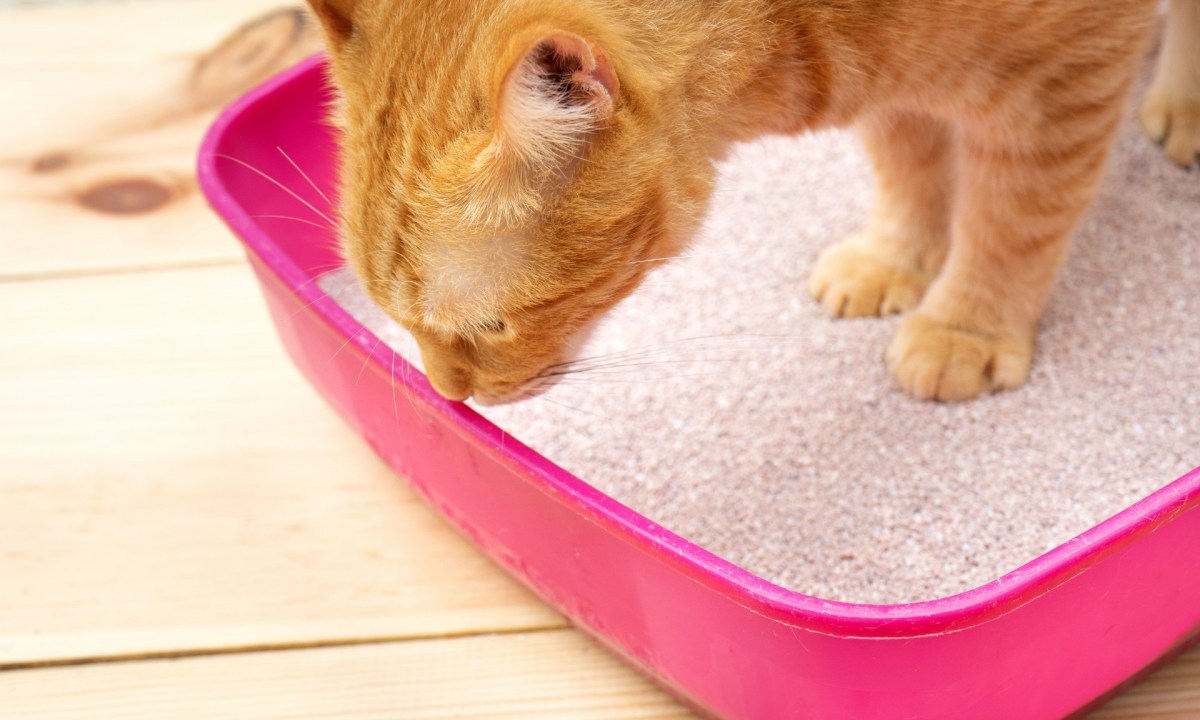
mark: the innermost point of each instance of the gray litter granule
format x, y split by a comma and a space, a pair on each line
745, 420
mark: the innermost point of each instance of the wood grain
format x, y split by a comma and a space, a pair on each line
105, 111
555, 675
170, 483
1172, 693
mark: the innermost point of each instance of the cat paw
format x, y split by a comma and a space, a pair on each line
1172, 119
935, 361
851, 281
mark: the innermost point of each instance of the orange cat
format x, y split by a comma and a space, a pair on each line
512, 169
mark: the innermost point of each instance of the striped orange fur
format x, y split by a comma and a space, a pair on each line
511, 169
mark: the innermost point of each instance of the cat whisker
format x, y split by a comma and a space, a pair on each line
704, 343
299, 220
634, 371
386, 252
665, 345
403, 381
607, 366
657, 259
532, 395
543, 398
398, 299
366, 361
601, 358
304, 175
638, 379
659, 355
409, 368
319, 272
277, 184
343, 347
392, 382
310, 303
407, 374
634, 366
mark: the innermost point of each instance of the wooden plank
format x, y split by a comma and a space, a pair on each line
171, 483
1172, 693
549, 674
556, 675
97, 168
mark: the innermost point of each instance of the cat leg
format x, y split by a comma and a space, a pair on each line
1171, 112
886, 268
1016, 208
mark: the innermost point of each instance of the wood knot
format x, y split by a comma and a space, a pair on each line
50, 162
126, 197
252, 53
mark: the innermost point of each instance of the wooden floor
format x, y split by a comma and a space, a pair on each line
186, 530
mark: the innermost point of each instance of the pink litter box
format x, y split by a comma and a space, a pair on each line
1052, 638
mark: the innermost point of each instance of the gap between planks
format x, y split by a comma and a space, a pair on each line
75, 274
551, 675
185, 653
174, 485
556, 674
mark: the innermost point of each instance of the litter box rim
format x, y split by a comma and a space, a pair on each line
905, 620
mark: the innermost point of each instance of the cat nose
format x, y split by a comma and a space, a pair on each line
452, 383
446, 369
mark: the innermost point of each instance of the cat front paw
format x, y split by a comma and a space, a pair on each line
934, 360
852, 281
1170, 114
1173, 120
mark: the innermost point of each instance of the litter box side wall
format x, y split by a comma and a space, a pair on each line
1041, 655
1038, 643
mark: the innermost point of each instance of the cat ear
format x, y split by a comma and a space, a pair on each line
335, 17
561, 90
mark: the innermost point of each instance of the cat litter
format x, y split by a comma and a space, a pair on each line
730, 409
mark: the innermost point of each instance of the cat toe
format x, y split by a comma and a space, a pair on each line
1174, 123
932, 360
851, 282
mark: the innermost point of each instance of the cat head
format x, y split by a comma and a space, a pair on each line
505, 179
